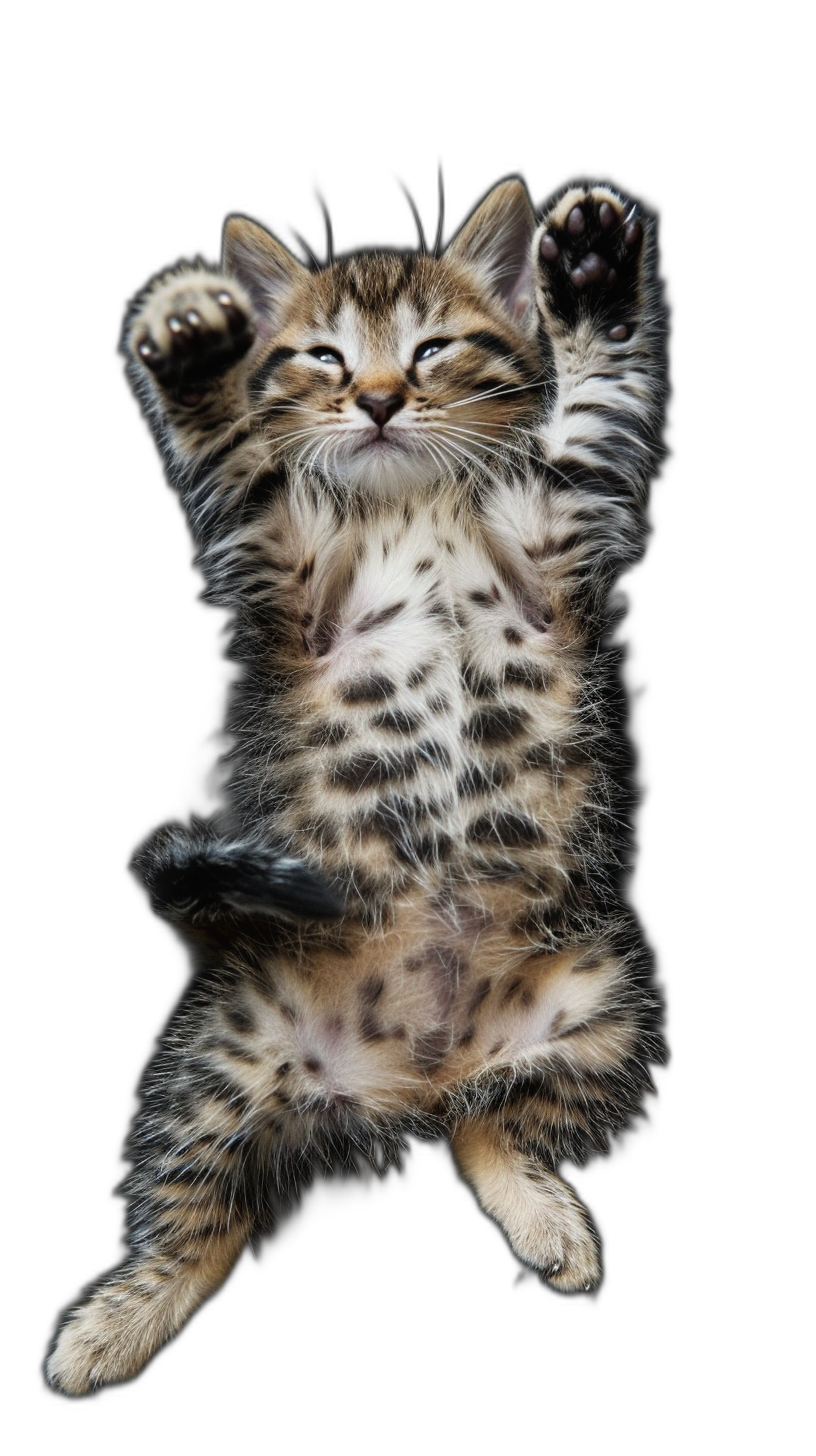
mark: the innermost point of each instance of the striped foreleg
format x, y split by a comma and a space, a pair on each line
600, 303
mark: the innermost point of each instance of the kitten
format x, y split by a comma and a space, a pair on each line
414, 480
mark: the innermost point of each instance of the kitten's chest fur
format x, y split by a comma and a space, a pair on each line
424, 705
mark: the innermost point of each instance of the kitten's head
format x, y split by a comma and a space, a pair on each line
388, 370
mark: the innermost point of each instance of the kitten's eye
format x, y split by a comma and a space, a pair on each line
431, 346
325, 355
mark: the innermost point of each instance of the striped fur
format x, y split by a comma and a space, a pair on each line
413, 479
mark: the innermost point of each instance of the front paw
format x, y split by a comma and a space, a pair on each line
588, 255
192, 328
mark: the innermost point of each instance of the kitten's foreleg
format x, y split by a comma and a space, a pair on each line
546, 1225
601, 306
191, 326
187, 339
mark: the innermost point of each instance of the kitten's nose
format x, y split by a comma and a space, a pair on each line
380, 406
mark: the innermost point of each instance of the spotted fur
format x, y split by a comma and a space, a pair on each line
413, 479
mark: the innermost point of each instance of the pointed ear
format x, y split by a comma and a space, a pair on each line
266, 268
496, 241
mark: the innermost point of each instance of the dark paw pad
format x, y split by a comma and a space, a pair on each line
589, 257
199, 338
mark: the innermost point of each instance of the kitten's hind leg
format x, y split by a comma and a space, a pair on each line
133, 1310
193, 1194
546, 1225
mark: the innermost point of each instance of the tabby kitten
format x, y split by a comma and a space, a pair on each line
413, 479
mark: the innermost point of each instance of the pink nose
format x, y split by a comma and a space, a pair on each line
380, 406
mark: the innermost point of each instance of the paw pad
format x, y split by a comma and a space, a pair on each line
589, 256
192, 334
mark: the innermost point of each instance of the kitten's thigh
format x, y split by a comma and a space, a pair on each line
544, 1221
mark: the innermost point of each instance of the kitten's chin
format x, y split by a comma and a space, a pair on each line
387, 472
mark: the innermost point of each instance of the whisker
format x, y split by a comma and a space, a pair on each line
499, 391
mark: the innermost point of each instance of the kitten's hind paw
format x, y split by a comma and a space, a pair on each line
103, 1341
135, 1309
191, 327
588, 255
561, 1242
544, 1220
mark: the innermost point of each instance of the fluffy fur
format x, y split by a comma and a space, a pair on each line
413, 478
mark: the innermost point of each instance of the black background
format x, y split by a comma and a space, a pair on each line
397, 1287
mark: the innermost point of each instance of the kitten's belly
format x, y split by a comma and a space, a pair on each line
429, 760
399, 1019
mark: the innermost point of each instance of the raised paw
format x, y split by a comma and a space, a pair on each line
192, 328
588, 252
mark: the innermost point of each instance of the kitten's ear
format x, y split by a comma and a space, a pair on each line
497, 241
266, 268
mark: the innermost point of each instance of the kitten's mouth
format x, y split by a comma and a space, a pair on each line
380, 442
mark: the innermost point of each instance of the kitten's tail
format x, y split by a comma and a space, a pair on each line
195, 877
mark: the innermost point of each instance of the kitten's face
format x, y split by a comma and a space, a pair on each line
392, 369
386, 370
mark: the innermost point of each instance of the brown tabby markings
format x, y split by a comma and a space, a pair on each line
413, 487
